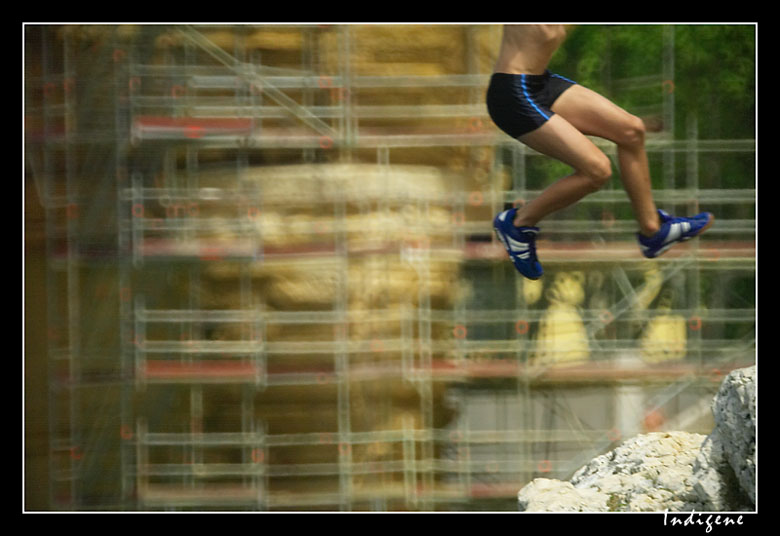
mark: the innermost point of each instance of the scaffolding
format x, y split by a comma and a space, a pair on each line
272, 282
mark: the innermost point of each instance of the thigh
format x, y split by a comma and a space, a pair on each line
592, 114
560, 139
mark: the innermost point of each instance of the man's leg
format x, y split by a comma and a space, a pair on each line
516, 228
595, 115
558, 139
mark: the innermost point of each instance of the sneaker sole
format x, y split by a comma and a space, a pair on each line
709, 223
706, 226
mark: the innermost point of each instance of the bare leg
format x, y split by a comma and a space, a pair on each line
595, 115
558, 139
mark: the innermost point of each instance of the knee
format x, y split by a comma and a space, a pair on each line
632, 132
599, 172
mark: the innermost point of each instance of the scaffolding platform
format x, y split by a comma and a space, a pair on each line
282, 236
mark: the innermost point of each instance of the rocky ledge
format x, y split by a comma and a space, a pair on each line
668, 471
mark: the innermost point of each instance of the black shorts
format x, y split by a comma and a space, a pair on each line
520, 103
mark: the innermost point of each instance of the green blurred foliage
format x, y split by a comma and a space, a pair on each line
714, 76
714, 71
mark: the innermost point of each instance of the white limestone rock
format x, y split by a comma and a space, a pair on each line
725, 468
648, 473
668, 471
734, 410
549, 495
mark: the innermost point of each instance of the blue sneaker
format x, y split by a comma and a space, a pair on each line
520, 243
673, 230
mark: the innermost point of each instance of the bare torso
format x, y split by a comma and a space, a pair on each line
527, 48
